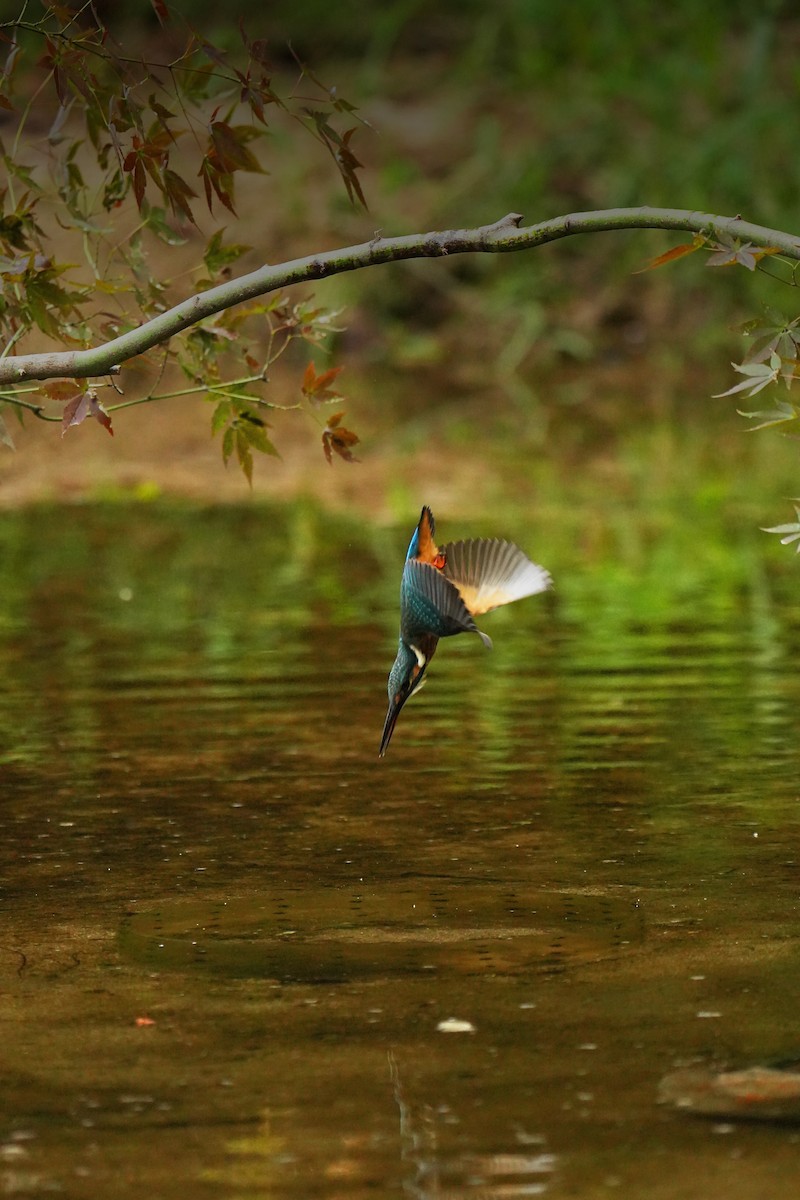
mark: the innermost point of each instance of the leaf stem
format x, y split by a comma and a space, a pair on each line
12, 399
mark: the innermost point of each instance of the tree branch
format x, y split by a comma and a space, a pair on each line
502, 237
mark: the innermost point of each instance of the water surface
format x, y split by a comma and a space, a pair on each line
241, 956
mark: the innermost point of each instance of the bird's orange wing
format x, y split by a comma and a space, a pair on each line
490, 572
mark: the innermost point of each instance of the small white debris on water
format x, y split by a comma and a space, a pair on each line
708, 1015
9, 1152
454, 1025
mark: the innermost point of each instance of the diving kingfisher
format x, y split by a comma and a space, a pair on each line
442, 589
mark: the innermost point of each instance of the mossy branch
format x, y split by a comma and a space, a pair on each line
502, 237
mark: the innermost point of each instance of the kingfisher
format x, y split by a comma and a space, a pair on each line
443, 588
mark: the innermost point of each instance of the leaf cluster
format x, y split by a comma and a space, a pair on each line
139, 156
774, 356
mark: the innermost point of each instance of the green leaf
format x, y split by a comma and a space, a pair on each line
759, 376
777, 416
218, 256
221, 416
156, 222
255, 431
243, 453
115, 190
790, 532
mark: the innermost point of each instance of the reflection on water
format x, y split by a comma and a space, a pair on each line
242, 956
319, 934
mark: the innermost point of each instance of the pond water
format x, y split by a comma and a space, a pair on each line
243, 957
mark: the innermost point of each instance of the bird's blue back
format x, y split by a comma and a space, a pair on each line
418, 613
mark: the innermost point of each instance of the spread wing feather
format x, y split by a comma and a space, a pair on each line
488, 573
432, 603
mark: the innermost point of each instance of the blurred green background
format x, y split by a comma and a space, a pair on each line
559, 361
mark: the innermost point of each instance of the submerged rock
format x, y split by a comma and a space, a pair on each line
756, 1093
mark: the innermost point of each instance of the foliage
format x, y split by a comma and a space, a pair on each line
790, 532
139, 154
135, 152
773, 357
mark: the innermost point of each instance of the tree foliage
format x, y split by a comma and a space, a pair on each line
113, 163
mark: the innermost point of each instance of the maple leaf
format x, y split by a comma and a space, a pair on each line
339, 148
211, 51
758, 375
255, 433
243, 434
156, 221
789, 532
221, 416
217, 256
62, 389
348, 165
317, 387
338, 440
134, 166
178, 194
746, 255
216, 181
257, 95
229, 150
244, 454
676, 252
163, 114
85, 404
46, 300
775, 416
258, 50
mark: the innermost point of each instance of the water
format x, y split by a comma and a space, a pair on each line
242, 957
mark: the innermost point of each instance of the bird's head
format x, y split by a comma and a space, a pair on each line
406, 677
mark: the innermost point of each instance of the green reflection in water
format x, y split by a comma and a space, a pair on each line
190, 704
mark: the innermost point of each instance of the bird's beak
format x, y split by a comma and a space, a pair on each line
389, 724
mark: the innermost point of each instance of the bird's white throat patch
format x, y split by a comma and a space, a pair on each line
421, 659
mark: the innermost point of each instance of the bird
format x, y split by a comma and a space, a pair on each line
443, 588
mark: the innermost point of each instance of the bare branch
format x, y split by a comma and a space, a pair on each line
502, 237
